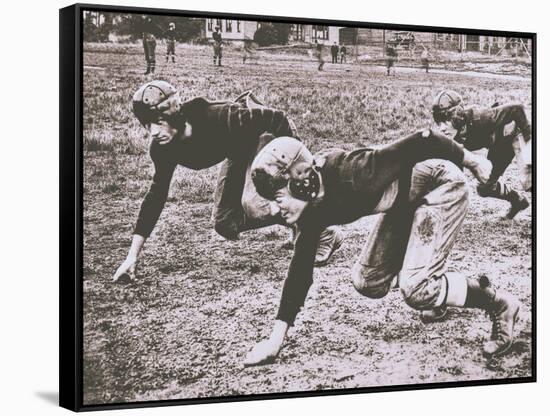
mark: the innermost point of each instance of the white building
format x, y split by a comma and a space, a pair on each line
236, 30
325, 35
240, 30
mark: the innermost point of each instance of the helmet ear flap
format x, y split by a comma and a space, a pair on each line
438, 115
266, 184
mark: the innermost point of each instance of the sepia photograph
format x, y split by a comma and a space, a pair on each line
275, 206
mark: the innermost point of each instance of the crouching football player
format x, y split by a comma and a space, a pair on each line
198, 134
479, 128
418, 186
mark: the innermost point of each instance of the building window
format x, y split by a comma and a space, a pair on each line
209, 24
320, 32
298, 32
219, 24
228, 25
239, 26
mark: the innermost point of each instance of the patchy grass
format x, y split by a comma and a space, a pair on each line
199, 305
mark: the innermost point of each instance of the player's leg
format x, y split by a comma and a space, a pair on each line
382, 256
439, 192
146, 53
440, 189
152, 57
501, 155
227, 213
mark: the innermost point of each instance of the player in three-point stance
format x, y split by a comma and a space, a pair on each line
419, 188
198, 134
478, 128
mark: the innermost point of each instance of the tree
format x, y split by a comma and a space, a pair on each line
96, 27
283, 32
272, 34
187, 28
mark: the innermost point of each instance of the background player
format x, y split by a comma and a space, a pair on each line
217, 36
149, 44
170, 36
478, 128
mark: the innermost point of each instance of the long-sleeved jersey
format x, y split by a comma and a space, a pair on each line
170, 35
218, 130
354, 184
482, 128
217, 36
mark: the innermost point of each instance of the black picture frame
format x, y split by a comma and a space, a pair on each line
72, 221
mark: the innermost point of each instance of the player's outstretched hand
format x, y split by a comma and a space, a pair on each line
126, 273
478, 165
264, 352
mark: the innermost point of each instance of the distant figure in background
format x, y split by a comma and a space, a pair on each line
343, 51
247, 50
319, 55
217, 36
391, 57
425, 59
334, 52
170, 36
149, 44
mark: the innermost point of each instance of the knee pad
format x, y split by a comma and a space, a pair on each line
372, 282
422, 291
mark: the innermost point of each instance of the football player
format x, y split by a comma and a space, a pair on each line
478, 128
418, 186
198, 134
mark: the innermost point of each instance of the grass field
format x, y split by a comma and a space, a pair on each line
184, 328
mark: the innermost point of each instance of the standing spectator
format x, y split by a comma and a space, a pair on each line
334, 52
170, 36
319, 55
391, 57
149, 44
425, 59
343, 51
217, 36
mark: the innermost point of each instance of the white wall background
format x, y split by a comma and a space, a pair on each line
29, 207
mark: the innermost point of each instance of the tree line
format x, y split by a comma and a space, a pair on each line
98, 26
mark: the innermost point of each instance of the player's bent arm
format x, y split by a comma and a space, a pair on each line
154, 200
478, 165
517, 114
150, 211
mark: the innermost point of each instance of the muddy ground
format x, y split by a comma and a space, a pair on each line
199, 305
